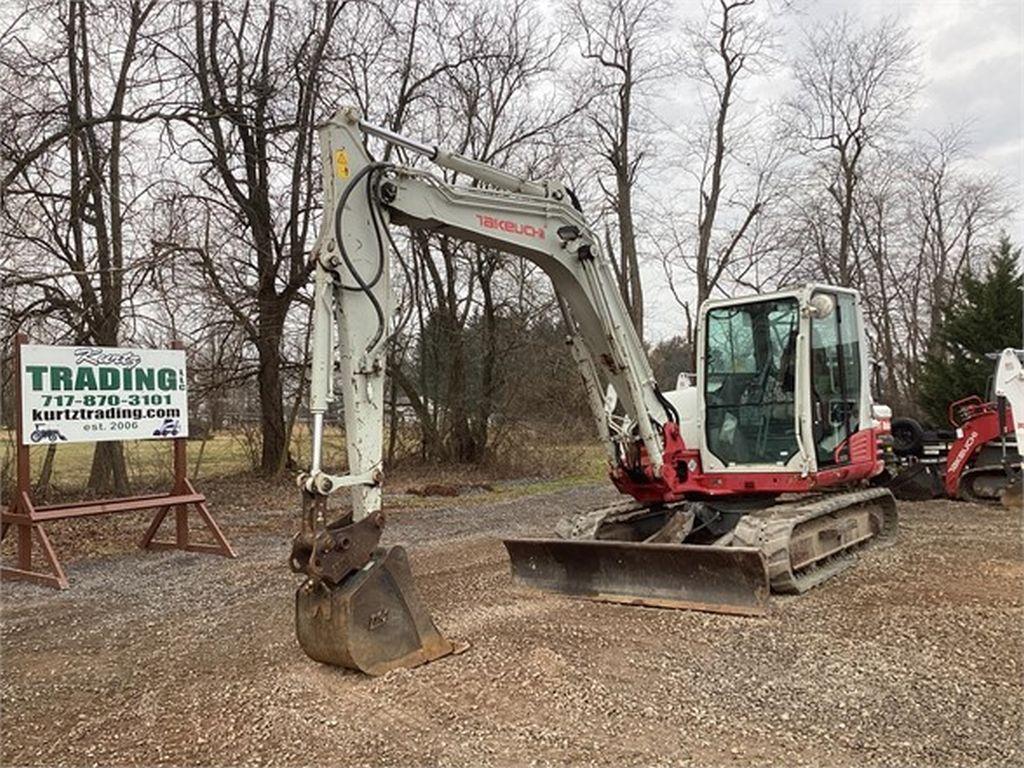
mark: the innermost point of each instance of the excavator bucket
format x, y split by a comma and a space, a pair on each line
373, 621
717, 579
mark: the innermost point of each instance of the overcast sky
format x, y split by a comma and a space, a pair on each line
971, 59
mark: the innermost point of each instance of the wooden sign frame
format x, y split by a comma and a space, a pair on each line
28, 518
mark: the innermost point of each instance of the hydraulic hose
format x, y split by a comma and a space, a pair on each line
670, 409
361, 284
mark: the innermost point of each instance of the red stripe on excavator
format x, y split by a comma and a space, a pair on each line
679, 480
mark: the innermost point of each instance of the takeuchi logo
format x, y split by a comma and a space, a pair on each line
92, 356
507, 225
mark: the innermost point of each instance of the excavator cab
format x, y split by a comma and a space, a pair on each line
784, 382
749, 382
781, 406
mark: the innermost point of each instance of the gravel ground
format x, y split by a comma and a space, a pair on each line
914, 657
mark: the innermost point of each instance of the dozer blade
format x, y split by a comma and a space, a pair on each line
696, 577
373, 621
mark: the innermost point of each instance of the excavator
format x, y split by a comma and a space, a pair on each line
750, 480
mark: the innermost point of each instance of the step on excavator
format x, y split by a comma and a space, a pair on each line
750, 479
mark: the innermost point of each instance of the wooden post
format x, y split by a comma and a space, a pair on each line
180, 474
21, 511
24, 488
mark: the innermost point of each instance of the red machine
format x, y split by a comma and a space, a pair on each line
979, 459
982, 428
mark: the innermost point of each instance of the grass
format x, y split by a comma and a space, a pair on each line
551, 466
147, 460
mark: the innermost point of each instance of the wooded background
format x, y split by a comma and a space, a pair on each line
161, 181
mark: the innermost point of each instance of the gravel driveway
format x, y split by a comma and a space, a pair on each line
914, 657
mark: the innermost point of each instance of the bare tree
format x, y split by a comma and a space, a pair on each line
921, 220
879, 246
72, 187
733, 152
252, 81
487, 106
737, 44
854, 86
623, 41
953, 209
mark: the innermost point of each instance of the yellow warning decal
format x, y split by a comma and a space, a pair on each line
341, 163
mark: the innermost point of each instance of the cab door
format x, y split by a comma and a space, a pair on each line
835, 380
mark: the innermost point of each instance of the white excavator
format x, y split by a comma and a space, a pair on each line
751, 480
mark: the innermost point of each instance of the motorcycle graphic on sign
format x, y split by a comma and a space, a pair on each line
42, 432
169, 428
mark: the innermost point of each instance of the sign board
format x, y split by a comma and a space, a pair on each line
93, 394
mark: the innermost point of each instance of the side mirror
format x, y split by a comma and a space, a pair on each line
821, 306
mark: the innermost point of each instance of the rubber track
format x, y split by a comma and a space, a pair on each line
584, 525
966, 489
771, 530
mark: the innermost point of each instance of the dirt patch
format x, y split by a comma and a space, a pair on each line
911, 658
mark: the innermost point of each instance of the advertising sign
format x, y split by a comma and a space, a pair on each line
93, 394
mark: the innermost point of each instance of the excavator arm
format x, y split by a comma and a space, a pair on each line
535, 220
1009, 388
357, 606
1009, 385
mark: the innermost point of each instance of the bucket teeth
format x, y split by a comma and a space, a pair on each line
373, 621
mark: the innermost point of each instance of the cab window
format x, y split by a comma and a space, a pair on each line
749, 383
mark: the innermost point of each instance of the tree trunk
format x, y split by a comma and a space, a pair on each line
848, 167
463, 448
431, 446
268, 345
845, 215
489, 361
47, 471
627, 246
109, 472
215, 410
271, 405
393, 421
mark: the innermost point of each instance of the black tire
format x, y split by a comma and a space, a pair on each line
916, 482
907, 437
